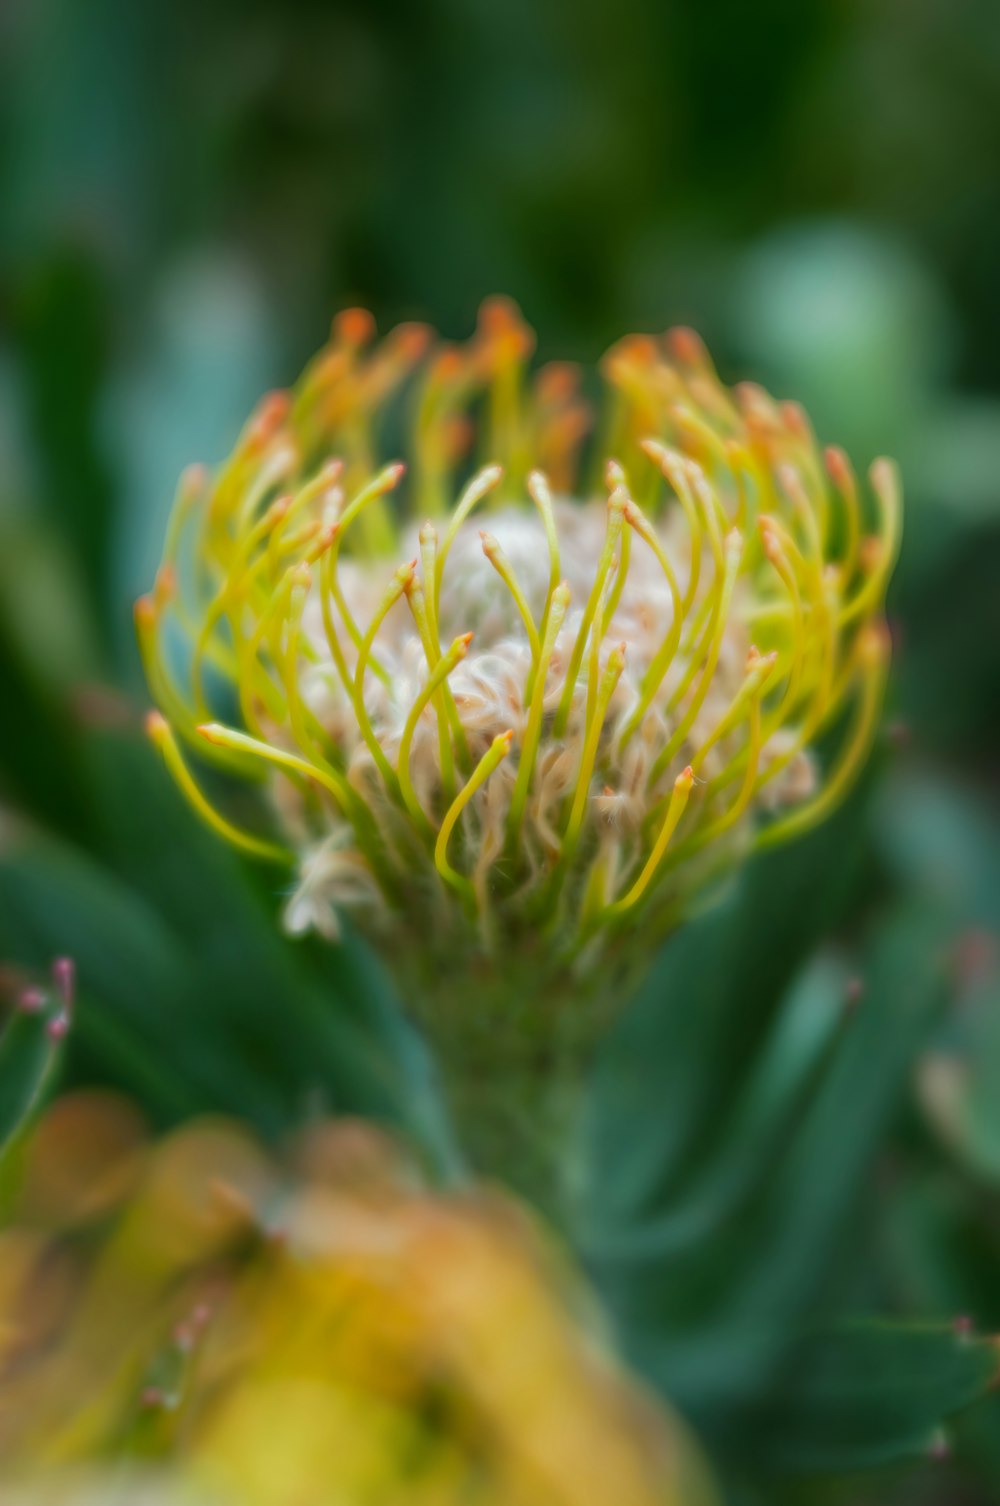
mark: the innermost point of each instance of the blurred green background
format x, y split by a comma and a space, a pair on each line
189, 190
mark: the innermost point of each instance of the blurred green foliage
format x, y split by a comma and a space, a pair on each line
189, 191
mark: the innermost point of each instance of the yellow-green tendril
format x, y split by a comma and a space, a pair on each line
229, 737
397, 587
437, 676
595, 725
529, 746
494, 755
617, 503
160, 733
873, 659
678, 800
502, 566
479, 487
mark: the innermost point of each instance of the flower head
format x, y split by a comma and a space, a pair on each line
543, 675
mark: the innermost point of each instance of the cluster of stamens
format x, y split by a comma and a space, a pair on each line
601, 670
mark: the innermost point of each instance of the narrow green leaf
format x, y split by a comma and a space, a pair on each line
862, 1394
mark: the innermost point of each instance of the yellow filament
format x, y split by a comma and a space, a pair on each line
384, 482
401, 579
529, 747
746, 792
609, 679
298, 711
758, 673
675, 810
329, 625
724, 597
664, 656
242, 742
253, 678
601, 618
842, 475
616, 515
161, 734
885, 483
541, 495
190, 491
444, 702
481, 485
494, 755
505, 570
428, 566
804, 513
874, 661
620, 576
236, 584
672, 466
435, 678
778, 559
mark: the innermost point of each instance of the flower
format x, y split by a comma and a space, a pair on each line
548, 676
317, 1329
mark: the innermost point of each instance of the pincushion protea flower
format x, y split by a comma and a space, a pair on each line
319, 1329
519, 695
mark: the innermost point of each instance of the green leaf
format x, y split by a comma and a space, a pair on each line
29, 1057
686, 1047
862, 1394
710, 1294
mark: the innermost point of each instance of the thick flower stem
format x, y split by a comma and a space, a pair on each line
512, 1047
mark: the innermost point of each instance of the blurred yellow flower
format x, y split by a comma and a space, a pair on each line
326, 1332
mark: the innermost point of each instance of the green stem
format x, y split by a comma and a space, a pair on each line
512, 1046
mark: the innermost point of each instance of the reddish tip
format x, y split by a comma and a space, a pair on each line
686, 346
838, 467
499, 314
558, 381
271, 413
448, 364
194, 479
412, 340
355, 326
64, 977
640, 348
795, 418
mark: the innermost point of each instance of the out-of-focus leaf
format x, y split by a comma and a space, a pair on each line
789, 1066
29, 1057
942, 840
668, 1077
859, 1395
62, 329
848, 319
709, 1293
960, 1084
